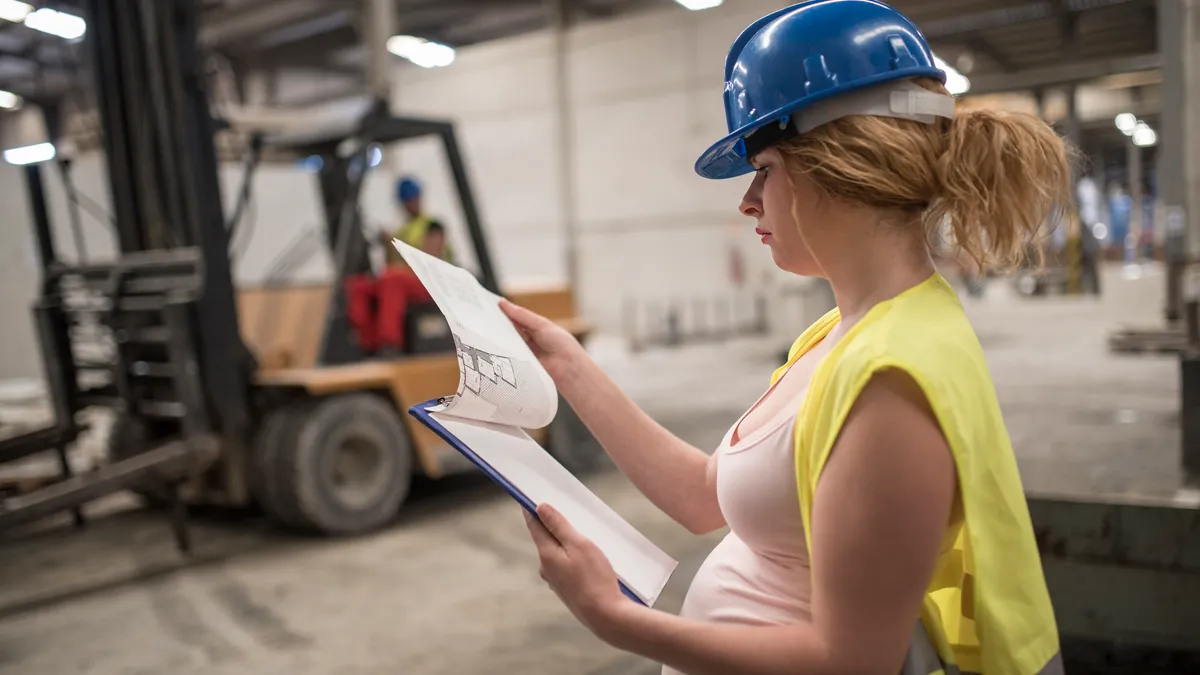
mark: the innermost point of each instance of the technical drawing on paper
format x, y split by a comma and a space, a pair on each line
478, 366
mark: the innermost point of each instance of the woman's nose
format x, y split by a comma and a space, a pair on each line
752, 202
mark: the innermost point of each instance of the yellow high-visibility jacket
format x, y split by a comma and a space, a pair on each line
987, 609
413, 233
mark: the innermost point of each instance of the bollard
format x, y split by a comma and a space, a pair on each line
629, 324
699, 324
760, 320
674, 334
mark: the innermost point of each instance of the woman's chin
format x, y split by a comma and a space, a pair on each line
805, 268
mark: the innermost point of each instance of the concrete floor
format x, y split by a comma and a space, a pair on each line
453, 587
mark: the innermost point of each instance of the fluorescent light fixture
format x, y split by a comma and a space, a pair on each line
30, 154
1140, 132
420, 51
1143, 135
12, 10
956, 82
1126, 122
65, 26
697, 5
9, 100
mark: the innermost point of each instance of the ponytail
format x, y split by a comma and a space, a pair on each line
1001, 179
994, 178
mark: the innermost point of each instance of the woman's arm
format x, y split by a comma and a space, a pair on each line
882, 507
676, 476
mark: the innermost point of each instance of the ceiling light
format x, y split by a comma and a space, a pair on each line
1143, 135
9, 100
12, 10
956, 82
420, 51
696, 5
65, 26
1126, 122
30, 154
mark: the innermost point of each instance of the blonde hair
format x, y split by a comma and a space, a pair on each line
995, 178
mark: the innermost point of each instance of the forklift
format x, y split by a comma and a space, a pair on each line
252, 397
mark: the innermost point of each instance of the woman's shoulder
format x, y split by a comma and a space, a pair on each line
924, 330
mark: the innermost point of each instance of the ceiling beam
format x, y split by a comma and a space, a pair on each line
1068, 28
974, 22
1063, 73
251, 19
978, 43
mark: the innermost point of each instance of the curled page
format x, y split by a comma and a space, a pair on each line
500, 380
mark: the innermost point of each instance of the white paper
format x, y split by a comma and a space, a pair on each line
500, 380
502, 390
641, 565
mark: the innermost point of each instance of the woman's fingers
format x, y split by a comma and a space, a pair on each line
522, 317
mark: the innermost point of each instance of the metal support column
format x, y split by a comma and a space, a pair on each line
380, 19
1133, 165
1179, 151
560, 19
1179, 190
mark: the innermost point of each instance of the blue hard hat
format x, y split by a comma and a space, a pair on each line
817, 51
407, 188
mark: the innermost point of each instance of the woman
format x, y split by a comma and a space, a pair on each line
877, 519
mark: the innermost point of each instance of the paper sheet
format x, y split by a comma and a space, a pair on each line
638, 562
500, 380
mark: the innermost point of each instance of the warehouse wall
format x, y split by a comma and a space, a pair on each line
643, 102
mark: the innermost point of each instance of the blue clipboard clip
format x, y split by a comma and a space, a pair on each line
421, 413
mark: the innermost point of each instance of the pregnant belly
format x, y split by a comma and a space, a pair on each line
737, 585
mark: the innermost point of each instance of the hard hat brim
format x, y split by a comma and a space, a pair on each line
725, 159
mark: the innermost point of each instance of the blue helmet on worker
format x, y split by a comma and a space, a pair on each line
407, 189
811, 63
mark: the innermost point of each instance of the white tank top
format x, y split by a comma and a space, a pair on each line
759, 573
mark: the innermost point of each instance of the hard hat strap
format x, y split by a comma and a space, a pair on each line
901, 99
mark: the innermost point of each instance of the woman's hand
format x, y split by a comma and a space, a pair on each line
578, 572
559, 351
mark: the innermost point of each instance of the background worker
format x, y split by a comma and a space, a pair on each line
877, 521
378, 306
419, 230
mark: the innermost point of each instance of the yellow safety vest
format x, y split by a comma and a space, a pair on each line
987, 609
413, 233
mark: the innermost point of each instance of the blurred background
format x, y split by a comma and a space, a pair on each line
206, 464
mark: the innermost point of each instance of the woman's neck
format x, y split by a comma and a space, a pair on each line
880, 268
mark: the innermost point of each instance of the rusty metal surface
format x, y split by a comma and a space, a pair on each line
1125, 581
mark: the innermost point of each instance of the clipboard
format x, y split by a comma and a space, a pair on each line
421, 413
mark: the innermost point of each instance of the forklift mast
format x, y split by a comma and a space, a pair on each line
162, 168
173, 366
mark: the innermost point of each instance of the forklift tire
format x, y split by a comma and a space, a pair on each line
276, 432
348, 469
570, 442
